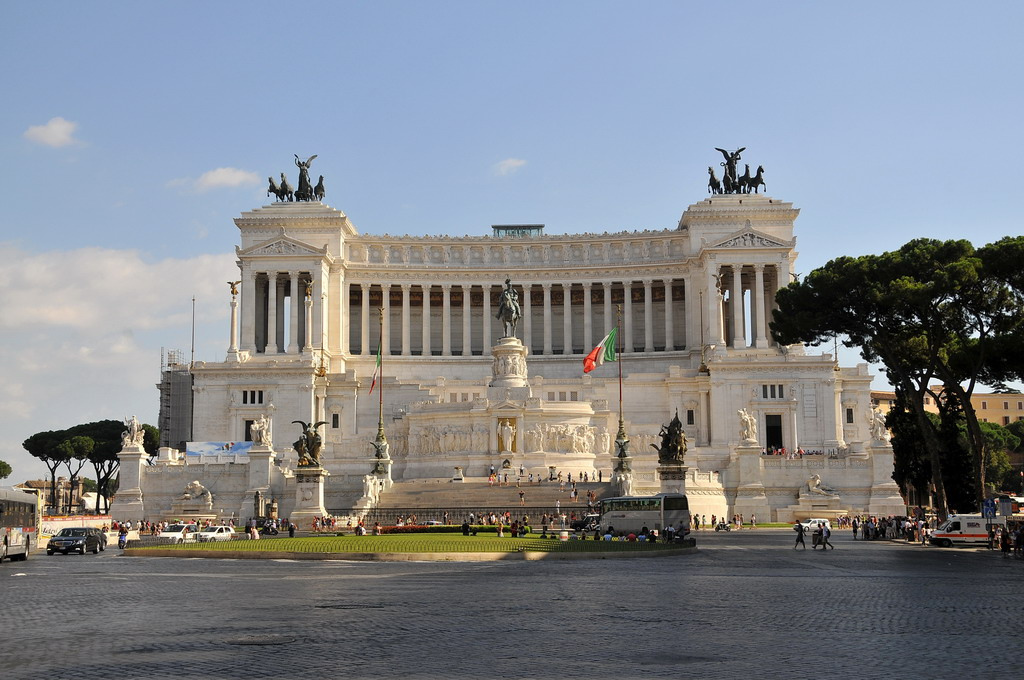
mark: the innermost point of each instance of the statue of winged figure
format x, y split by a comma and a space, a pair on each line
309, 443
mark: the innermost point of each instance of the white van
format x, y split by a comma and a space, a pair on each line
965, 530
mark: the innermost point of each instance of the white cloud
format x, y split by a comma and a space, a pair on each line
225, 177
56, 133
508, 166
81, 333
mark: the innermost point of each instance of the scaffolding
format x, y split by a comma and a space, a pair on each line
175, 419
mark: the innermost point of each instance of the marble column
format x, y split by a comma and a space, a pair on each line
248, 330
627, 310
293, 322
426, 321
233, 331
385, 331
446, 319
345, 319
273, 295
648, 315
547, 318
485, 330
609, 320
669, 320
758, 307
316, 336
406, 321
566, 318
467, 335
736, 304
588, 321
527, 306
365, 319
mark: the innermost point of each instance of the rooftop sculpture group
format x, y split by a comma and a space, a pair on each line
730, 183
306, 190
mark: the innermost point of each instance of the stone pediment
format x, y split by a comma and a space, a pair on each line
506, 405
282, 245
748, 238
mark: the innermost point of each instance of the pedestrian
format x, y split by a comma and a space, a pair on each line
855, 525
753, 521
291, 529
522, 497
799, 529
825, 533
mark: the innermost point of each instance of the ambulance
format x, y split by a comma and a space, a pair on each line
965, 530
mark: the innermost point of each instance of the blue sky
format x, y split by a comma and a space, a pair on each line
132, 134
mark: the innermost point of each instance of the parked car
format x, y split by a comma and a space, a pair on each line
811, 525
178, 533
220, 533
77, 539
586, 523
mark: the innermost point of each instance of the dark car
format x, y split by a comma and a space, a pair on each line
77, 539
586, 523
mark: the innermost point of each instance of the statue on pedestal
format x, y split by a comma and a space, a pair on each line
876, 420
673, 443
134, 435
816, 488
748, 426
508, 309
260, 430
309, 443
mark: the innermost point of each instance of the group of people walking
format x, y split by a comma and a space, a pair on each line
819, 536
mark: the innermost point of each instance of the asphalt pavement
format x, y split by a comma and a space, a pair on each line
745, 606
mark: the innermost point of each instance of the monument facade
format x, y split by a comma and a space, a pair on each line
482, 340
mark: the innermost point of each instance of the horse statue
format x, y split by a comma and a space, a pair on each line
743, 183
273, 189
286, 190
319, 191
508, 310
757, 180
714, 186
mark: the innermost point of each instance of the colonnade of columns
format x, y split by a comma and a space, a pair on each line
575, 326
751, 290
278, 317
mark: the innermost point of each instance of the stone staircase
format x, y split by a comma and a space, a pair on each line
431, 498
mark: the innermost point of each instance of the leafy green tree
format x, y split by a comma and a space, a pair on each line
76, 451
106, 438
932, 311
5, 470
43, 445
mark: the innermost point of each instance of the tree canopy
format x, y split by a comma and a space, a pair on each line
933, 313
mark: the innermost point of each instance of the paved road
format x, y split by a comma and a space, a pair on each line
747, 606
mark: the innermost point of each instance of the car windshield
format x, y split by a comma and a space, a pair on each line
174, 529
72, 532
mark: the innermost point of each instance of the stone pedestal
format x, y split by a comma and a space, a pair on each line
309, 496
750, 496
509, 376
885, 493
127, 503
672, 478
260, 457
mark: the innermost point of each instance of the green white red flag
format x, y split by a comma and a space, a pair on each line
605, 351
376, 371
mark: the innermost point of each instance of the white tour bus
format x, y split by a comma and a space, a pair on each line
629, 514
19, 523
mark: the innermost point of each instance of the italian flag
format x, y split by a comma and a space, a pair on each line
605, 351
376, 371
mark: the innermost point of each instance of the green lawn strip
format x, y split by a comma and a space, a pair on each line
415, 543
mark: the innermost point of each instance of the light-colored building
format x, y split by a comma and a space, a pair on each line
692, 303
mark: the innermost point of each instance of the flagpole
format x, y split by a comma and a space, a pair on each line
621, 440
380, 375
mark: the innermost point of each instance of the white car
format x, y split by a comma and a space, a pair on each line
811, 525
178, 533
221, 533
